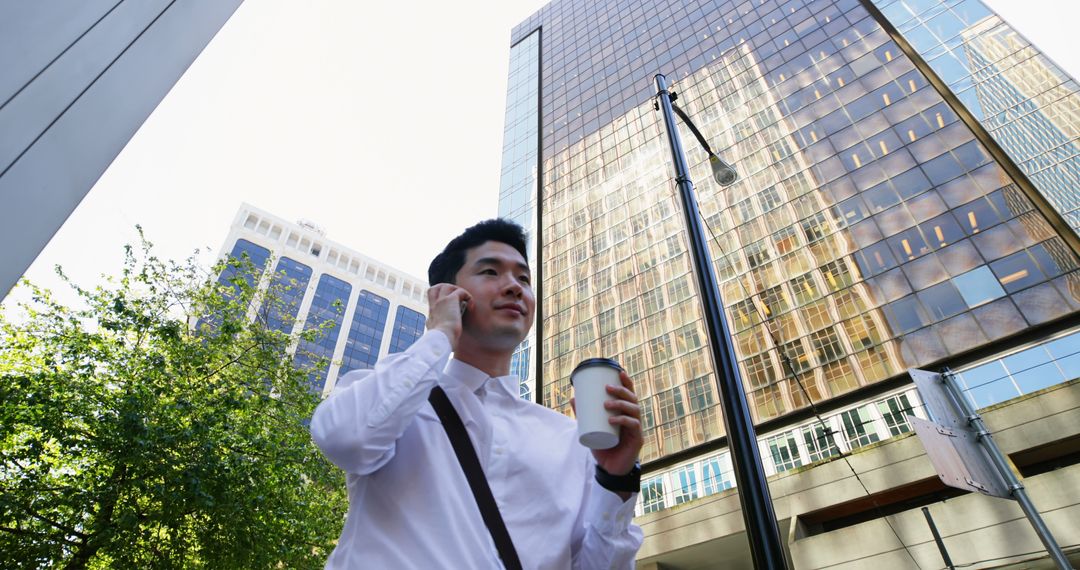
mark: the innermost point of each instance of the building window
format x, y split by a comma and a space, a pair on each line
826, 345
784, 451
325, 316
699, 393
686, 488
652, 494
895, 411
287, 289
671, 405
244, 250
714, 478
818, 438
408, 326
366, 332
859, 428
519, 366
837, 275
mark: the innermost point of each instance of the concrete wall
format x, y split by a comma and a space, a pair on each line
77, 79
709, 532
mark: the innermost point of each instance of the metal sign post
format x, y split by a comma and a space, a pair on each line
967, 457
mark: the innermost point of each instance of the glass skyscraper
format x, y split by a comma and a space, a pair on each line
907, 198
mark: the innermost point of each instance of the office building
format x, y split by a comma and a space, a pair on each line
907, 199
367, 308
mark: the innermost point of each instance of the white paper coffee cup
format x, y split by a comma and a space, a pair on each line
589, 379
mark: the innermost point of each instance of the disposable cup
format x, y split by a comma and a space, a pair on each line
589, 379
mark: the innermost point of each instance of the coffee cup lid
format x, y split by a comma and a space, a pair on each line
595, 362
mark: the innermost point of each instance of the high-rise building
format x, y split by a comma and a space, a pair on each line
76, 82
372, 309
908, 199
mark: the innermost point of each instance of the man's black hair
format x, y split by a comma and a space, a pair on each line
445, 266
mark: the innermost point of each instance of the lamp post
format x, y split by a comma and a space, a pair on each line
762, 532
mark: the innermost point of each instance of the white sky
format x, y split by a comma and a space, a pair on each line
381, 122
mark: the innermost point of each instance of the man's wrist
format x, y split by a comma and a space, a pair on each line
619, 484
449, 334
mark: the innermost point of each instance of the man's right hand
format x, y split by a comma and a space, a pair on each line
446, 305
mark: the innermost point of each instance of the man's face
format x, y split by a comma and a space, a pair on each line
502, 307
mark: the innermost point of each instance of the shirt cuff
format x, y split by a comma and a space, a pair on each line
607, 512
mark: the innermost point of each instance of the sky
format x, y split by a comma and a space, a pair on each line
382, 125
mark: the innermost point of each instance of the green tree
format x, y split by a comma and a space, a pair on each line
131, 438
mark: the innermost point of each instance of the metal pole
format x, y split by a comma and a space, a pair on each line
761, 529
937, 539
983, 436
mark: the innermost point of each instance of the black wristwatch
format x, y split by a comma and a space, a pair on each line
629, 483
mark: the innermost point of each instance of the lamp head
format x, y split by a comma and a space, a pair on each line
722, 172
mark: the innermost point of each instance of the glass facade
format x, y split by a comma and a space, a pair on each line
287, 289
365, 334
1024, 101
792, 448
242, 250
326, 313
870, 231
1023, 372
408, 326
519, 366
258, 256
517, 185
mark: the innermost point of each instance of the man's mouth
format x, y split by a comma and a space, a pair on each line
513, 308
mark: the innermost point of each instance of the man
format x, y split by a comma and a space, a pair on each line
410, 505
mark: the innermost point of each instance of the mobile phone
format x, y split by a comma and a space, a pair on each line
464, 305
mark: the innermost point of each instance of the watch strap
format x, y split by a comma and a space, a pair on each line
629, 483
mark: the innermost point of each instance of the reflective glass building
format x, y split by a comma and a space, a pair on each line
908, 198
365, 308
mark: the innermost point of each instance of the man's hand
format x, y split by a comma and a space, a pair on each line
446, 305
619, 460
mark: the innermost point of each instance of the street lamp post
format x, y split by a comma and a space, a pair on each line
762, 531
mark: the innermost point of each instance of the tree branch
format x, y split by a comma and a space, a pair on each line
41, 535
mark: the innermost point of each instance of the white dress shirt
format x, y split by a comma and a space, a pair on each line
410, 506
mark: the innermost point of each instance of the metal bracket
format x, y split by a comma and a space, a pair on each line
945, 431
982, 488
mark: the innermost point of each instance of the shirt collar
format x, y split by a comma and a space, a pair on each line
472, 378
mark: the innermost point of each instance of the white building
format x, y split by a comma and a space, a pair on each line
383, 308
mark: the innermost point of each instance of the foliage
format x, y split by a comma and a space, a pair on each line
130, 438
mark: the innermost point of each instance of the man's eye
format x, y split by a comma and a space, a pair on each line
525, 279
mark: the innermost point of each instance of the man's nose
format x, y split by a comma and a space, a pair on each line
513, 287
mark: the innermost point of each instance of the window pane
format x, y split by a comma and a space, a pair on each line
942, 301
978, 286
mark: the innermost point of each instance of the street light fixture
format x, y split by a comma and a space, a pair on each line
723, 173
762, 532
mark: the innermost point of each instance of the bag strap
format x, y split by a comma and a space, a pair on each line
470, 464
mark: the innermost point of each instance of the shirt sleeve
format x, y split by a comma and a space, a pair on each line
609, 538
358, 426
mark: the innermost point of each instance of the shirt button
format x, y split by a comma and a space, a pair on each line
499, 450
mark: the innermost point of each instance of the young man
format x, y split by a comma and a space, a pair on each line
410, 505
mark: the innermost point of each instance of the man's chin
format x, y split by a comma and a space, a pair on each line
508, 337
